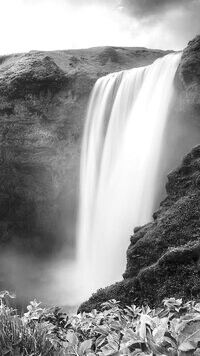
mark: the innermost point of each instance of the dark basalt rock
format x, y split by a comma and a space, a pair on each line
189, 71
188, 75
163, 257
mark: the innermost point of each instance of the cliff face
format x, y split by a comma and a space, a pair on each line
43, 98
163, 258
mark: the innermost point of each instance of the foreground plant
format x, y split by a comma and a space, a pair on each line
173, 330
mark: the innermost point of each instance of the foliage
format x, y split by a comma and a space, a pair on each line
173, 330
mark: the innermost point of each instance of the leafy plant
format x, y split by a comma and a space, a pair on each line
173, 330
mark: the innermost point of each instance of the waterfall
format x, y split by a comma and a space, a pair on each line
121, 149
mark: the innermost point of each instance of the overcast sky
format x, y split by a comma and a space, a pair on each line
62, 24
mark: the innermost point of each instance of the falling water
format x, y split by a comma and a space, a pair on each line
120, 157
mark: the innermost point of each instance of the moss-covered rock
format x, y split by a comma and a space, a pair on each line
163, 257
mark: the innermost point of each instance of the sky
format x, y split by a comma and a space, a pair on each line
63, 24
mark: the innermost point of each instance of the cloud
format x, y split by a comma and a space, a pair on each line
145, 8
167, 23
155, 23
64, 24
61, 24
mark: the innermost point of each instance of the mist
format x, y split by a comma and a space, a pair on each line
52, 282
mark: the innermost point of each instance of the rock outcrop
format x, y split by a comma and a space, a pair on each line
188, 75
43, 99
163, 259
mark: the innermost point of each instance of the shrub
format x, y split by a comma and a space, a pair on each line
173, 330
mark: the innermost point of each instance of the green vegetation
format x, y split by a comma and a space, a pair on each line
173, 330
